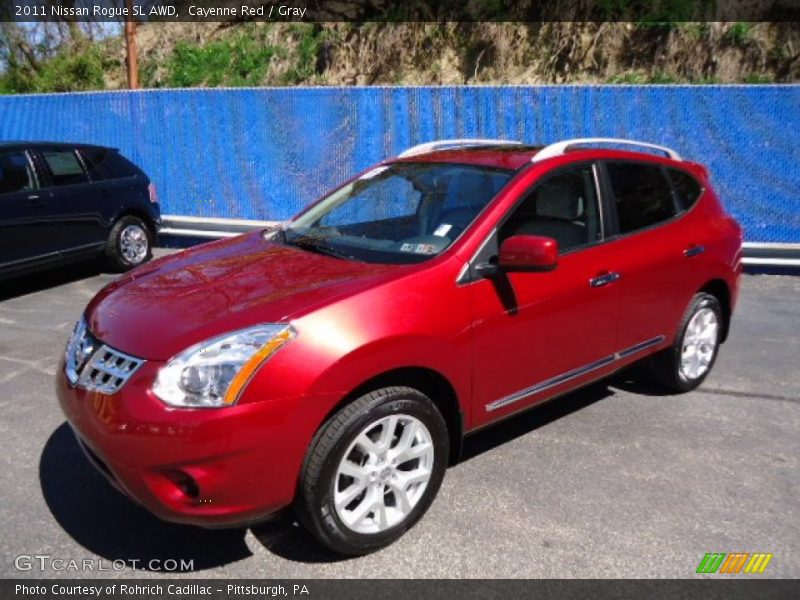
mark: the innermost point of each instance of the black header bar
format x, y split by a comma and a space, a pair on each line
648, 11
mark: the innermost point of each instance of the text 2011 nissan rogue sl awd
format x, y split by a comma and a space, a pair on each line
334, 365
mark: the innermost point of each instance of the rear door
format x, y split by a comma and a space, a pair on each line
116, 183
20, 217
656, 275
70, 202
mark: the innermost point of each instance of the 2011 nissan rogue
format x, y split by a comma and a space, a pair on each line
334, 365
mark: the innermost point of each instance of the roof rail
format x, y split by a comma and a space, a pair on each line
451, 144
560, 148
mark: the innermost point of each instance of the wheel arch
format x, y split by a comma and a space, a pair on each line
722, 292
426, 380
139, 214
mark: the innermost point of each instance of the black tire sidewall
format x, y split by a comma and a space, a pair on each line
328, 524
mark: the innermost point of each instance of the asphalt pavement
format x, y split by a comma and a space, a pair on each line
616, 480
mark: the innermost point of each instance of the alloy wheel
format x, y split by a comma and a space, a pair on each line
699, 344
134, 244
383, 474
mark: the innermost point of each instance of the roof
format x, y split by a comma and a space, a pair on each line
515, 157
500, 156
42, 144
508, 154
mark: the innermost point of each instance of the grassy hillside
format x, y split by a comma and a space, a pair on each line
256, 54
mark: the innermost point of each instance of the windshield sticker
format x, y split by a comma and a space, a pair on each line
373, 172
442, 230
418, 248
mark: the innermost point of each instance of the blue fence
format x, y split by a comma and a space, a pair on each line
264, 153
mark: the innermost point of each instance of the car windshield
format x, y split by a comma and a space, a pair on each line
399, 213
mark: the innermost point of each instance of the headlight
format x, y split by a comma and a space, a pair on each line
214, 372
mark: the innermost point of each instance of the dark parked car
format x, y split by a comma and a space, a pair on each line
64, 202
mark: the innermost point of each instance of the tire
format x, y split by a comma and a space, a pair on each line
355, 436
130, 244
668, 366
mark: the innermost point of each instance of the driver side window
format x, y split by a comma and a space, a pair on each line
563, 206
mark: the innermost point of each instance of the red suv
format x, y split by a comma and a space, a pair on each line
334, 365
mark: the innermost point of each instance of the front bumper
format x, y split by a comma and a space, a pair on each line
208, 467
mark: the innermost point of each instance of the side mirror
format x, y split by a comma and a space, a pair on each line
528, 253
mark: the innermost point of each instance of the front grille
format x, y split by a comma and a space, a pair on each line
92, 365
108, 370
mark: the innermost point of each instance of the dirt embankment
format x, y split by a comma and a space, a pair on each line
466, 53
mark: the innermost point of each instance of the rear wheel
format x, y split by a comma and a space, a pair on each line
684, 365
129, 244
373, 470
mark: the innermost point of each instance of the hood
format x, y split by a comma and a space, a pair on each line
164, 307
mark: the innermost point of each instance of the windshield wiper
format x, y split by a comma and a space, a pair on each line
313, 244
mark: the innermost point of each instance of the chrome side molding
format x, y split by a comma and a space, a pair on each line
573, 374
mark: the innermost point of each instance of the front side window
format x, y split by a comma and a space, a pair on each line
65, 167
641, 194
400, 213
16, 174
563, 206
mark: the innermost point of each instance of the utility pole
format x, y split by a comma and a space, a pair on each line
130, 48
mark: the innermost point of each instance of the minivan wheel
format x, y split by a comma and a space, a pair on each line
129, 244
684, 365
373, 470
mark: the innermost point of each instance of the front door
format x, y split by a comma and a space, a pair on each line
539, 334
71, 202
20, 216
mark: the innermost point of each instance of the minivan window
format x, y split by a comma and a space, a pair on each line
65, 167
15, 173
563, 207
687, 190
105, 163
399, 213
641, 194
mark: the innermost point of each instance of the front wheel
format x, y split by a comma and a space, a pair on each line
129, 244
684, 365
373, 470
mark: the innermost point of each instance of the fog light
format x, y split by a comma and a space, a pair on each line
184, 482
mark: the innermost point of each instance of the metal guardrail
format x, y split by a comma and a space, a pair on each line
771, 254
755, 253
213, 229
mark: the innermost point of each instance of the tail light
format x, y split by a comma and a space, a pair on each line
151, 189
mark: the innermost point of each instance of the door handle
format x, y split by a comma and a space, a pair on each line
604, 279
693, 251
33, 200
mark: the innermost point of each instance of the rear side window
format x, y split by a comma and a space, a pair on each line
16, 174
687, 190
65, 167
105, 163
641, 194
